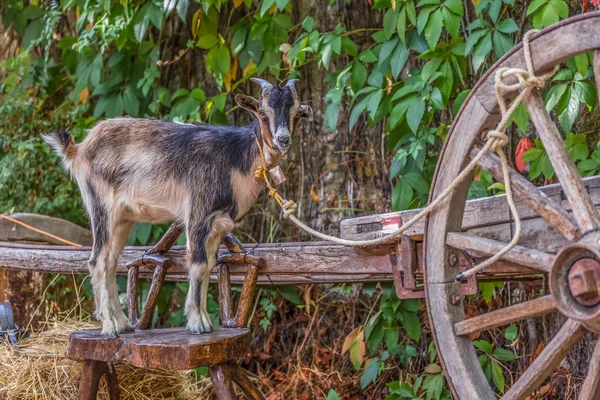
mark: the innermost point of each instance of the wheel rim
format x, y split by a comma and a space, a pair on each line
479, 114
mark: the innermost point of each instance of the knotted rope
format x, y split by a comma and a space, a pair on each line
496, 140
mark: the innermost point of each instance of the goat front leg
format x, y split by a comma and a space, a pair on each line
203, 241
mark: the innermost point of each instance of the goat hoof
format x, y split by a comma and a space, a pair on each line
129, 329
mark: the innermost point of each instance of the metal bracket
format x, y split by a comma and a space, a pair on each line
7, 325
405, 272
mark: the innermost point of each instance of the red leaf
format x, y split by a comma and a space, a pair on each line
595, 2
523, 145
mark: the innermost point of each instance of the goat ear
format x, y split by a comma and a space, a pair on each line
305, 112
248, 103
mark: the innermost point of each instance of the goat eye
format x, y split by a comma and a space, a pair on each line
261, 113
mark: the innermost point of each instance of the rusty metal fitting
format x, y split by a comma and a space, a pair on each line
584, 281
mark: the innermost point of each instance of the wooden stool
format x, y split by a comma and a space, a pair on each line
173, 348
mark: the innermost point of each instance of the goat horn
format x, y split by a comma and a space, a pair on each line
263, 83
292, 83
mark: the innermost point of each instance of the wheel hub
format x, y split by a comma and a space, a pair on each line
584, 279
575, 281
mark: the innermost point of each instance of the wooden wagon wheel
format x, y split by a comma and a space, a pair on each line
574, 272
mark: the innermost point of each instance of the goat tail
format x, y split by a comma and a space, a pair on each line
62, 143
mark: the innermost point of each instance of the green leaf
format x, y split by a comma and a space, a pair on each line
373, 102
586, 93
223, 59
399, 58
434, 29
481, 50
372, 369
411, 324
507, 26
417, 182
568, 116
356, 111
451, 22
414, 114
265, 6
483, 345
503, 354
401, 195
358, 76
308, 24
511, 333
455, 6
290, 293
390, 20
140, 25
401, 24
582, 62
423, 18
332, 395
459, 101
131, 104
32, 32
502, 43
554, 95
497, 376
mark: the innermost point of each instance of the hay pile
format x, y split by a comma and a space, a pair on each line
38, 370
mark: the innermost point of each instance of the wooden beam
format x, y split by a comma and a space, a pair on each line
484, 213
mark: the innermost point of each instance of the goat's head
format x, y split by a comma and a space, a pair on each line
277, 110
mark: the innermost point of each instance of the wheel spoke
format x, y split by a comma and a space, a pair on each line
597, 70
584, 211
543, 205
591, 387
549, 358
518, 254
518, 312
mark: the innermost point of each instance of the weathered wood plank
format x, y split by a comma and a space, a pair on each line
484, 212
544, 364
584, 211
508, 315
285, 259
487, 247
591, 385
539, 202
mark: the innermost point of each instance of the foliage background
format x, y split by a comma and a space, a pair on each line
384, 77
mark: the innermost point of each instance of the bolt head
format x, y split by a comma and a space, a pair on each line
453, 259
584, 281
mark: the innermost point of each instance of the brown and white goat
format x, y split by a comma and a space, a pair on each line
144, 170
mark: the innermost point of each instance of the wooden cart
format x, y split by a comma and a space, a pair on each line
560, 243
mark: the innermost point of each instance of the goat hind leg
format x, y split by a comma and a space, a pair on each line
121, 231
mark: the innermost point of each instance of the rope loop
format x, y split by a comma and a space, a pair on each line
289, 207
498, 138
260, 171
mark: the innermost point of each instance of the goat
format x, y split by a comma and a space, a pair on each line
146, 170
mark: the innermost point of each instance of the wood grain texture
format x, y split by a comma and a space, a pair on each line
240, 378
536, 199
221, 377
478, 245
486, 212
246, 297
89, 381
173, 348
505, 316
479, 114
591, 386
226, 306
560, 345
584, 211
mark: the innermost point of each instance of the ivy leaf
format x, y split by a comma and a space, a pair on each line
497, 375
502, 43
568, 116
390, 20
511, 333
372, 369
399, 58
481, 50
356, 111
131, 104
507, 26
401, 24
358, 76
416, 181
411, 324
503, 354
414, 114
483, 345
332, 395
182, 8
554, 95
265, 6
308, 24
434, 29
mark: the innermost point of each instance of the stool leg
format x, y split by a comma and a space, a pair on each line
220, 375
241, 379
112, 384
91, 373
